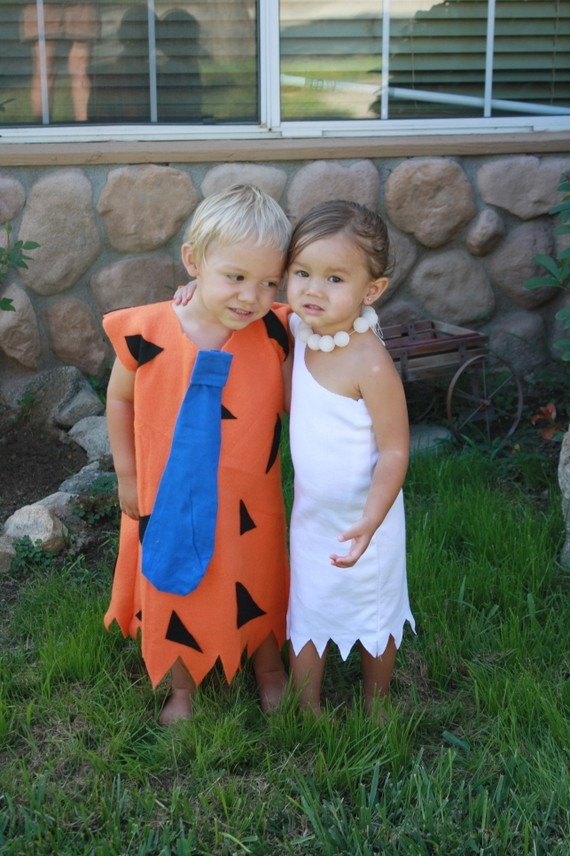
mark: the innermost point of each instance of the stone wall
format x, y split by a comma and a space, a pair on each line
464, 232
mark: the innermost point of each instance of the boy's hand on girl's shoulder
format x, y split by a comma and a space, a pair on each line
183, 294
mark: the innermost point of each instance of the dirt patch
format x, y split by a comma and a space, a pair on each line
33, 461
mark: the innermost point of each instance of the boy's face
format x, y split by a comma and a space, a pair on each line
235, 284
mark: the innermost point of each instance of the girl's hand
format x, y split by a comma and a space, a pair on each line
360, 534
183, 295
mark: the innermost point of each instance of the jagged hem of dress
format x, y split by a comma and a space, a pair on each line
375, 645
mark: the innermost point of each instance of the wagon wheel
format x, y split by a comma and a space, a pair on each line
484, 399
421, 400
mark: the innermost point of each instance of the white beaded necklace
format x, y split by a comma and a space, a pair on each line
367, 320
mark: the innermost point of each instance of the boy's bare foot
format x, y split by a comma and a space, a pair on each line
271, 686
270, 674
177, 707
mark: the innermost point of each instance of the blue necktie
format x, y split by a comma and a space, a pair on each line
178, 541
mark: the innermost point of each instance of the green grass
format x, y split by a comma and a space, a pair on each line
472, 758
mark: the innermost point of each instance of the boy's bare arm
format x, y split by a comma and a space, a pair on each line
120, 424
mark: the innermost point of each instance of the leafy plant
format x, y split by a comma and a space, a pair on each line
99, 385
547, 421
30, 556
558, 267
25, 402
100, 502
13, 257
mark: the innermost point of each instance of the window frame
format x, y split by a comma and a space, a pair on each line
271, 126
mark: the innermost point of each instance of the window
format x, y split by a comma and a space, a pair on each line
419, 59
295, 67
102, 62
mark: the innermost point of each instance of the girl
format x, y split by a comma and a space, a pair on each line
349, 444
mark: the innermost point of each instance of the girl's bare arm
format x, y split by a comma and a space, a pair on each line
183, 294
383, 394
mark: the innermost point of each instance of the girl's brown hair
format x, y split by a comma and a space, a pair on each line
363, 226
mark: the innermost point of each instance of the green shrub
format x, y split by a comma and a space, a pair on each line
100, 502
30, 556
12, 257
558, 267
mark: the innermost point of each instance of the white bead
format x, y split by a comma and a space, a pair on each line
361, 325
370, 314
326, 344
341, 339
366, 320
314, 341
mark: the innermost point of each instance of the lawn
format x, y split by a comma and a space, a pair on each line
472, 756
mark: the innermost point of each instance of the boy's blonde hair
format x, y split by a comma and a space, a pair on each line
241, 213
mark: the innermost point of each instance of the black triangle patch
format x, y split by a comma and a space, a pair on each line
276, 330
247, 609
275, 445
246, 524
177, 632
227, 414
142, 350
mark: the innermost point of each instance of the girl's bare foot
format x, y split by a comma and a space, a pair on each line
377, 708
177, 707
312, 709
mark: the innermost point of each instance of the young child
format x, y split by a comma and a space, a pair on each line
188, 619
349, 444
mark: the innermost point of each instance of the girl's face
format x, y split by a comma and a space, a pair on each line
235, 284
328, 281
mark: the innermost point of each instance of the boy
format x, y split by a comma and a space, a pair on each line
235, 249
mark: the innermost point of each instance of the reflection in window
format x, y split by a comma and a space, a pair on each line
437, 59
408, 59
438, 65
532, 53
330, 55
120, 85
63, 61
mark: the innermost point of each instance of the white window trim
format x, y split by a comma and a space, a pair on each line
269, 66
287, 130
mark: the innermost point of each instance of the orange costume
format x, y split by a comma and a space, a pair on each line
243, 595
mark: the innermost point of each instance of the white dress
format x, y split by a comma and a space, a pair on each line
334, 453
